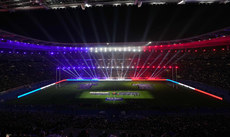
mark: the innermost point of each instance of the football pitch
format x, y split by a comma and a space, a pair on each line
146, 94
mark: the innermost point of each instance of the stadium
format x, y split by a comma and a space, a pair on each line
106, 83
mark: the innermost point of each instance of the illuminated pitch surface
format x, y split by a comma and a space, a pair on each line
162, 94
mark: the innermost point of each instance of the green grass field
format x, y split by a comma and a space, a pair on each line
162, 94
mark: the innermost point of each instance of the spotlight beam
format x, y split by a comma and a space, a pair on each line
173, 63
150, 65
156, 74
71, 72
86, 63
189, 23
80, 27
94, 26
67, 60
65, 26
76, 72
111, 70
129, 65
75, 28
105, 64
115, 62
61, 62
122, 64
145, 62
41, 28
115, 24
138, 61
72, 66
92, 65
160, 64
99, 65
87, 73
73, 75
76, 63
150, 22
127, 24
105, 25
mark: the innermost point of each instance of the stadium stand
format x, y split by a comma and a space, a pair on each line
60, 125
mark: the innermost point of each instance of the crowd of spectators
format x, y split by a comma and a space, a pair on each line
19, 71
208, 67
60, 125
211, 68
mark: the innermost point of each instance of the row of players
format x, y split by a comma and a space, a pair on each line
115, 93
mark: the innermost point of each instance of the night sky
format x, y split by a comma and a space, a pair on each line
117, 24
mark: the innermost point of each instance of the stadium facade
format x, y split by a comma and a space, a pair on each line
116, 60
173, 61
14, 5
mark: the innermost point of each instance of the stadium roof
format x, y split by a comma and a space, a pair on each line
4, 35
13, 5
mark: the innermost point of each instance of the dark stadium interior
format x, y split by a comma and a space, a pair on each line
157, 68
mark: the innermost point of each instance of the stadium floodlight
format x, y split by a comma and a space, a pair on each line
129, 3
75, 6
88, 5
115, 49
139, 4
110, 49
149, 43
54, 8
206, 2
157, 3
181, 2
99, 5
117, 4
